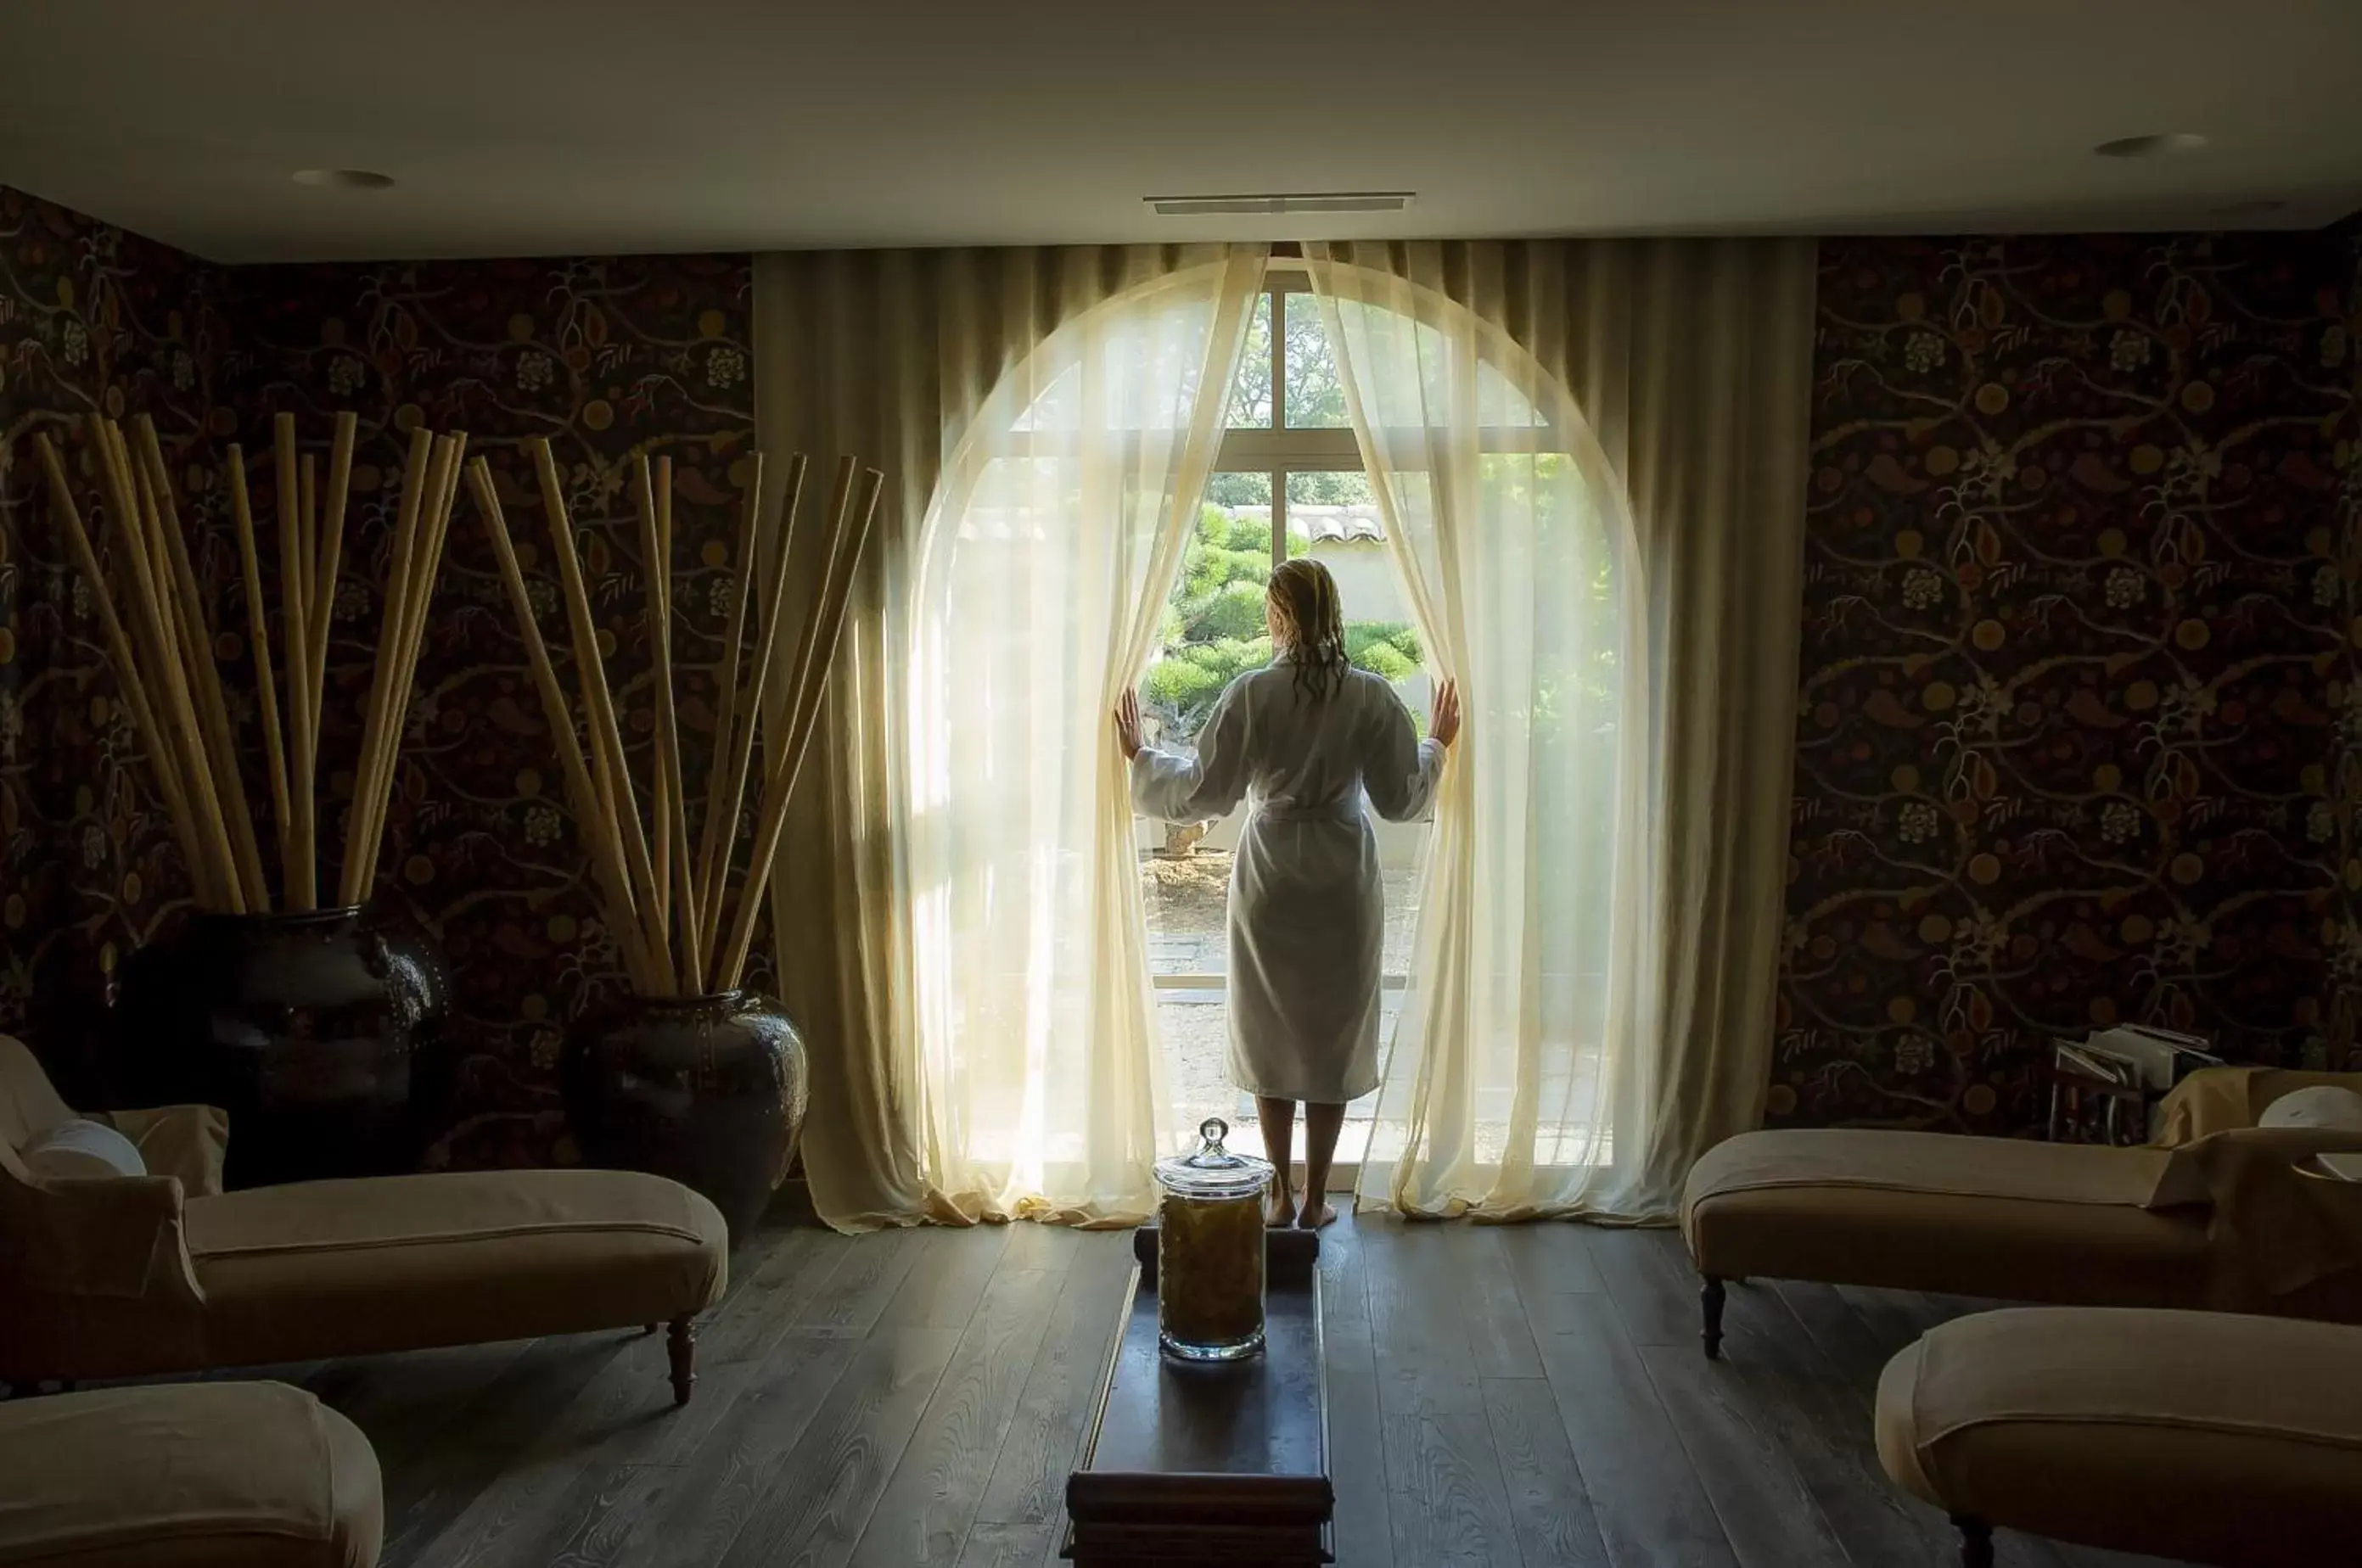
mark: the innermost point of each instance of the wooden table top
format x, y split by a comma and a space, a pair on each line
1211, 1458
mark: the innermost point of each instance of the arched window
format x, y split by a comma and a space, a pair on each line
1116, 506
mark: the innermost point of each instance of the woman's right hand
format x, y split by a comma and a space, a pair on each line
1445, 725
1126, 724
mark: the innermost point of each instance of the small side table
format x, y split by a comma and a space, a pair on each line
2085, 1109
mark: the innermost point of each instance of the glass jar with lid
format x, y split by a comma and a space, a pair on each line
1210, 1250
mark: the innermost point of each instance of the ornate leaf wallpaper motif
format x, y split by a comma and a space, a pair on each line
92, 319
2076, 665
607, 358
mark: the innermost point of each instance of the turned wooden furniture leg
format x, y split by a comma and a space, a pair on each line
683, 1346
1976, 1541
1710, 1296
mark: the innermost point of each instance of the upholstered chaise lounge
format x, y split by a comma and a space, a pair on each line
126, 1276
2229, 1223
186, 1476
2207, 1436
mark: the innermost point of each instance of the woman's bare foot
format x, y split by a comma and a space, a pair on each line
1315, 1215
1278, 1209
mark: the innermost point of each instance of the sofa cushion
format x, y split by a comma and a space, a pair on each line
2213, 1436
346, 1268
1934, 1211
235, 1474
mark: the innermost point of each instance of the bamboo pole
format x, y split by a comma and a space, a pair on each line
397, 582
217, 881
659, 671
213, 712
426, 546
599, 840
302, 841
772, 607
126, 664
323, 594
266, 686
606, 737
719, 822
673, 871
805, 694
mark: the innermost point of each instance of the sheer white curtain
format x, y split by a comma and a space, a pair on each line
1041, 571
1589, 1004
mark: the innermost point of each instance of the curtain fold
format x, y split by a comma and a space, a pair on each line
1590, 456
953, 924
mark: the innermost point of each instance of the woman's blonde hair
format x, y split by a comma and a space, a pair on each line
1308, 621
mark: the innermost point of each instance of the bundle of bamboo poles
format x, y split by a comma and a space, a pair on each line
665, 908
160, 640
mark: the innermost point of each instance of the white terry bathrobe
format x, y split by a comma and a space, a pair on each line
1307, 912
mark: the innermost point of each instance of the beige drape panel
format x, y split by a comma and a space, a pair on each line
1590, 1013
928, 1058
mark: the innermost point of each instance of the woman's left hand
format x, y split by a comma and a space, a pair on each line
1126, 724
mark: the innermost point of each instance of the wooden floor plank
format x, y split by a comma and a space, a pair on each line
819, 1498
1499, 1338
948, 1278
771, 1292
1357, 1461
1765, 1509
1418, 1321
1645, 1499
1548, 1499
1446, 1501
1020, 1514
1656, 1300
1550, 1258
931, 1502
676, 1516
857, 1291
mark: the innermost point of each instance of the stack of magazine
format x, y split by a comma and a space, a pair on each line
2135, 1056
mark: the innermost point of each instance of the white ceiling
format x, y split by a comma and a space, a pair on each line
547, 126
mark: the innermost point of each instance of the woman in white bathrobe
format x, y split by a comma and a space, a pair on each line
1314, 745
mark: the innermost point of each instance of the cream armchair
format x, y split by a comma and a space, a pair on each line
131, 1276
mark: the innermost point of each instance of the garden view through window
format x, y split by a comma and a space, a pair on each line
1288, 483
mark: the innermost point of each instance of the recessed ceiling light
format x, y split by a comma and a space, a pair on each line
2161, 144
343, 179
1272, 206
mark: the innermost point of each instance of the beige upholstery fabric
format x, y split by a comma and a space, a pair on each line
345, 1267
2229, 1223
191, 1476
2219, 1437
1922, 1211
164, 1273
2218, 1098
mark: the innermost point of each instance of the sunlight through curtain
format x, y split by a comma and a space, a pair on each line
1589, 1003
1041, 569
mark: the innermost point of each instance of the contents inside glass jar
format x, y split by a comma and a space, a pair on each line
1209, 1269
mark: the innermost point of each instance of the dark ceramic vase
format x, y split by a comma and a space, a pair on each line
311, 1029
709, 1091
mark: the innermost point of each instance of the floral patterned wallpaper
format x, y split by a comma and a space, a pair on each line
609, 358
91, 319
2079, 582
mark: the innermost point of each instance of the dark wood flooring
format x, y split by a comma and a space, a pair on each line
1524, 1395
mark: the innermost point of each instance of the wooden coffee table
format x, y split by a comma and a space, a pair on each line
1215, 1463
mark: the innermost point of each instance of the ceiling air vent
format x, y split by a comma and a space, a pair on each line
1273, 207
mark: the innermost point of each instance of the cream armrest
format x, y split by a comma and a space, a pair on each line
186, 1141
120, 1237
